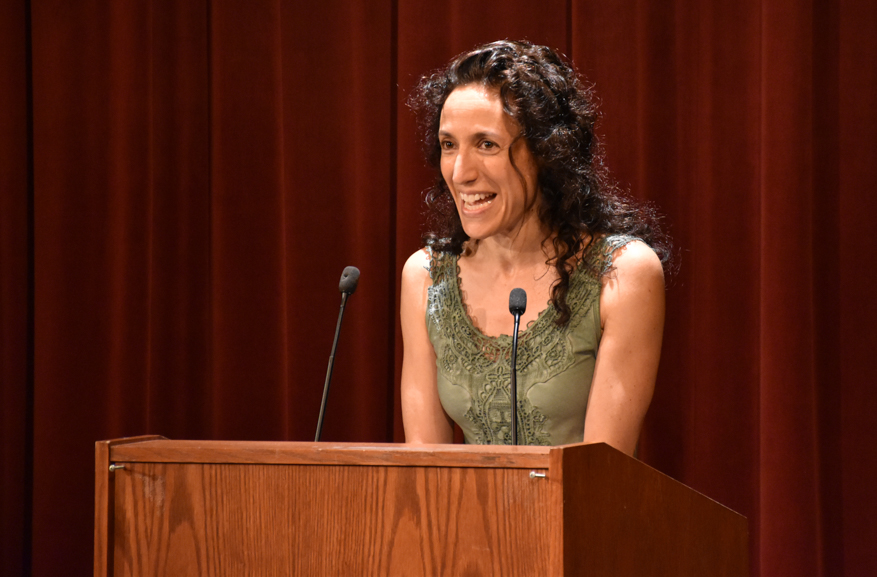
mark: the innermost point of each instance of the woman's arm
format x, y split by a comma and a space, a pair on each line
422, 414
632, 315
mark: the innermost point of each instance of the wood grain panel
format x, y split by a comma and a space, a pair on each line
223, 520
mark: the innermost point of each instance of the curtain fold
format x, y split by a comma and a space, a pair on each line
198, 175
248, 282
16, 379
786, 332
855, 253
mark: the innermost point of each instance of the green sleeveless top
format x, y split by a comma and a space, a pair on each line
555, 364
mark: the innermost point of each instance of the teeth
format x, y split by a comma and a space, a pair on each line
471, 199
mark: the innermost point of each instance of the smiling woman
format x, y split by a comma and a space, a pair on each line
522, 201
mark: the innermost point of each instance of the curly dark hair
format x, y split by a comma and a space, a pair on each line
556, 114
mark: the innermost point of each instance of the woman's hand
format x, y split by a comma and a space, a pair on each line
632, 315
422, 414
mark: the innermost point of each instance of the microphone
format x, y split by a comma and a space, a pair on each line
517, 306
349, 279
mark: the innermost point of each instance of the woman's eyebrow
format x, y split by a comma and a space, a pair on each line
477, 136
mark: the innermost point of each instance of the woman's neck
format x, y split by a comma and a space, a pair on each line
530, 246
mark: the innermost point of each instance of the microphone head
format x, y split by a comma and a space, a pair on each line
517, 301
349, 278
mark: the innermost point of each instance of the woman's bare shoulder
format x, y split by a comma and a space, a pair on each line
638, 259
634, 286
416, 268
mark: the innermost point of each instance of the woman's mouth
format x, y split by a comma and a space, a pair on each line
476, 201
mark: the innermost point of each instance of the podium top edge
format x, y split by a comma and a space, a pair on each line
157, 450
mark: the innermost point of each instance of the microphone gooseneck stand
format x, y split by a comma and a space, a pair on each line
517, 306
349, 278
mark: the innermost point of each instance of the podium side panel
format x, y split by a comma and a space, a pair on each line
622, 517
234, 519
103, 506
104, 493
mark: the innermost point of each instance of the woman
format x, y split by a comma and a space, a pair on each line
523, 201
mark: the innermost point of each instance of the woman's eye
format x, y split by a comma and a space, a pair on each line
488, 144
446, 144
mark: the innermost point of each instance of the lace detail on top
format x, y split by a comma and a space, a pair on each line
480, 364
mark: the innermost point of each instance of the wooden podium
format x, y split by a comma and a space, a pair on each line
215, 508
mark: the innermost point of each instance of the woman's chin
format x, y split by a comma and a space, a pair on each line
476, 232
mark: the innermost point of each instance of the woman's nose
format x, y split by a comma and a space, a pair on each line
465, 168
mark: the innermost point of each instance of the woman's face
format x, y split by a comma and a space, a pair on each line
475, 136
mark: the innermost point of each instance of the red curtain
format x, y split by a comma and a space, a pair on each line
183, 182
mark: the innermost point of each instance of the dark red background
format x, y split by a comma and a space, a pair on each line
183, 182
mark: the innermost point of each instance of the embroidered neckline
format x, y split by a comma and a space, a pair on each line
532, 327
549, 314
